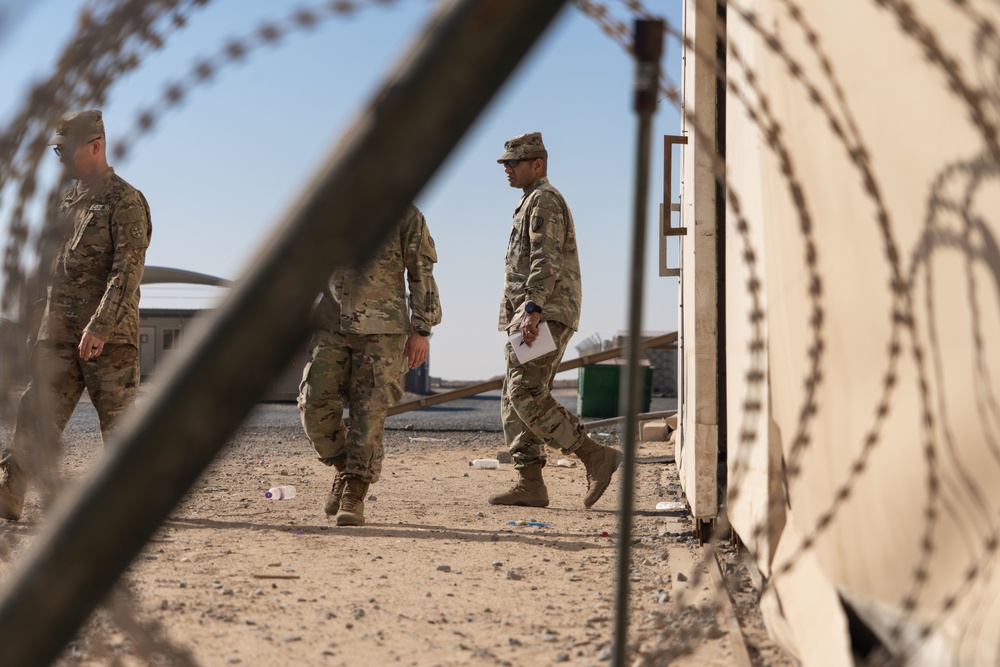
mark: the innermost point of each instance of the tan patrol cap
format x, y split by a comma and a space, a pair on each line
524, 146
78, 126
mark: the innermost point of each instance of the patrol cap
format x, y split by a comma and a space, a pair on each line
78, 126
524, 146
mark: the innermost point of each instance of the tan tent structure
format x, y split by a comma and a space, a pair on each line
841, 316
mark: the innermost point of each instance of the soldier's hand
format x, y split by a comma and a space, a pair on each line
416, 349
529, 327
90, 346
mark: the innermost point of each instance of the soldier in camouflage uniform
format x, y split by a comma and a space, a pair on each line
541, 283
88, 337
366, 339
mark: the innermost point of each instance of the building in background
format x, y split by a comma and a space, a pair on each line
162, 331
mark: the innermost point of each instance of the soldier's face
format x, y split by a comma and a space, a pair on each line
77, 158
521, 174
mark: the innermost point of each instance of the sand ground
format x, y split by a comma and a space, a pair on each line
436, 577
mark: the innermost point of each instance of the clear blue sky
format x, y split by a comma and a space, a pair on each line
219, 171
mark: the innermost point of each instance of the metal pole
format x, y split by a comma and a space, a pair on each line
440, 86
647, 46
490, 385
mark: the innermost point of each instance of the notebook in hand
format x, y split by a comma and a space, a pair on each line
543, 345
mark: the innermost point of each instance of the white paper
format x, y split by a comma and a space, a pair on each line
543, 345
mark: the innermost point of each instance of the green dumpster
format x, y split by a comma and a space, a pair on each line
598, 387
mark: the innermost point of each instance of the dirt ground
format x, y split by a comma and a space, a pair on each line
436, 577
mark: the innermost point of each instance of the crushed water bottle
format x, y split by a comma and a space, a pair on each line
485, 464
280, 493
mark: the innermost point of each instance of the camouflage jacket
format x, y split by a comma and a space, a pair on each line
373, 299
95, 275
542, 262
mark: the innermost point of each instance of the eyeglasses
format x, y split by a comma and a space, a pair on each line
512, 164
58, 150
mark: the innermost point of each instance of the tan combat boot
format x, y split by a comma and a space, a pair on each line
352, 503
529, 491
12, 491
333, 498
601, 463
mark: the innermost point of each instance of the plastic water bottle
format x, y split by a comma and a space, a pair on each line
280, 493
485, 464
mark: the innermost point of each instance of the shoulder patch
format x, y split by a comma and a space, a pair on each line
132, 221
131, 215
136, 235
536, 223
427, 247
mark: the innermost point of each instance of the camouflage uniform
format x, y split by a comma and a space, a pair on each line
542, 280
357, 353
94, 288
94, 283
542, 267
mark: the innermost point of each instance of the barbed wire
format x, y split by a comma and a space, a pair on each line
107, 44
91, 65
902, 316
115, 37
236, 51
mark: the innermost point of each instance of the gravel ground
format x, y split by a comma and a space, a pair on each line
436, 577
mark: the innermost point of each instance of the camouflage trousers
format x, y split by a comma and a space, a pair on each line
363, 373
532, 418
58, 379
